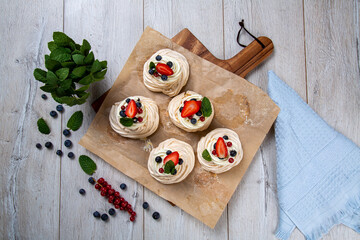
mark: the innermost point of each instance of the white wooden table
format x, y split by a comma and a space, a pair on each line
316, 53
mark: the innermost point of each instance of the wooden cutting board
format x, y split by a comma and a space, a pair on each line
241, 64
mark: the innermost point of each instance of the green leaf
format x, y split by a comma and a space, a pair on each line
169, 166
61, 39
75, 121
103, 64
151, 65
52, 46
206, 155
42, 126
206, 107
48, 88
60, 54
66, 84
72, 46
87, 164
84, 88
40, 75
99, 75
89, 59
51, 78
68, 64
78, 59
85, 48
62, 73
52, 65
96, 66
79, 71
127, 122
87, 79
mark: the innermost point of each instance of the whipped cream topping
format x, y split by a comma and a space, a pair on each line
186, 153
149, 124
176, 81
185, 123
218, 165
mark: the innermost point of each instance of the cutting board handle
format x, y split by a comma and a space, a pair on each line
241, 64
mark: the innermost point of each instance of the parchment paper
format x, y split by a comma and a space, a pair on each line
239, 105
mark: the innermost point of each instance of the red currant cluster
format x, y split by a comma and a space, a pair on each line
114, 197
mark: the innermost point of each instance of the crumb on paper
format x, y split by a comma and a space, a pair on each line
148, 146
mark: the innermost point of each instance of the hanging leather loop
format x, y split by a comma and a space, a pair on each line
242, 26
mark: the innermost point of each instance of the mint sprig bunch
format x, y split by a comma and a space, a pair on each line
71, 69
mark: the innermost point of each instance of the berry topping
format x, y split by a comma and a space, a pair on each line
221, 148
140, 111
145, 205
66, 132
96, 214
123, 186
104, 217
193, 99
158, 57
180, 109
140, 119
199, 113
71, 155
190, 107
117, 206
164, 77
117, 194
168, 152
181, 161
67, 143
38, 146
193, 121
44, 96
173, 172
91, 180
117, 202
202, 118
158, 159
151, 71
135, 119
122, 107
229, 144
156, 215
59, 108
138, 104
174, 156
161, 170
164, 69
53, 114
127, 100
101, 180
233, 153
214, 152
169, 63
48, 145
131, 109
111, 191
231, 160
59, 152
82, 191
156, 74
225, 137
122, 113
112, 211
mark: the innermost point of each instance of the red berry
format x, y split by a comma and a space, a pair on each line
140, 119
130, 210
117, 201
104, 184
156, 74
164, 69
103, 189
100, 180
214, 152
202, 118
221, 148
231, 160
123, 204
132, 218
97, 186
129, 206
121, 208
133, 214
117, 206
140, 110
131, 109
108, 186
123, 107
229, 144
161, 170
190, 117
117, 194
110, 200
174, 157
190, 108
111, 191
122, 200
103, 194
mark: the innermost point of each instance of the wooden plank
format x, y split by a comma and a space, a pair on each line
113, 28
29, 191
332, 54
253, 208
169, 17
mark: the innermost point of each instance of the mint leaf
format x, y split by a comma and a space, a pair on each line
61, 39
87, 164
169, 166
52, 46
85, 48
52, 65
66, 84
79, 71
51, 78
100, 75
103, 64
87, 79
84, 88
78, 59
75, 121
127, 122
42, 126
48, 88
62, 73
60, 54
206, 107
68, 64
40, 75
89, 59
206, 155
151, 65
96, 66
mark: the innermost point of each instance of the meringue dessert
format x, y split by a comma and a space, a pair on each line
191, 112
166, 71
220, 150
134, 117
171, 162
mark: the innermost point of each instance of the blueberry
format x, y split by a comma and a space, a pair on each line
225, 137
158, 159
59, 152
151, 71
44, 96
158, 58
164, 77
169, 63
66, 132
199, 113
173, 172
156, 215
38, 146
112, 211
48, 145
96, 214
123, 186
193, 121
233, 153
138, 99
104, 217
168, 152
127, 100
138, 104
71, 155
53, 113
122, 113
59, 108
67, 143
180, 161
180, 109
193, 99
91, 180
214, 145
82, 191
135, 120
145, 205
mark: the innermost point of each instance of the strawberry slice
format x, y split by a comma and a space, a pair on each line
221, 149
174, 156
131, 109
190, 108
164, 69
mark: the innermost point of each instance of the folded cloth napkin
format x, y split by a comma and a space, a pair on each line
318, 169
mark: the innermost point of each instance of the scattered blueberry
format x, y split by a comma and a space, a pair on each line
67, 143
48, 145
233, 153
82, 191
156, 215
59, 152
193, 121
59, 108
193, 99
168, 152
180, 161
151, 71
135, 120
138, 99
145, 205
53, 113
123, 186
122, 113
127, 100
158, 58
44, 96
173, 172
164, 77
104, 217
180, 109
91, 180
158, 159
66, 132
225, 137
71, 155
96, 214
38, 146
170, 64
112, 211
138, 104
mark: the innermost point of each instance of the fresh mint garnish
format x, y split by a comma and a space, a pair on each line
87, 164
152, 65
42, 126
206, 155
206, 107
169, 166
127, 122
75, 121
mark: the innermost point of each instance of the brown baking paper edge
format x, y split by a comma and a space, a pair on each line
239, 105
